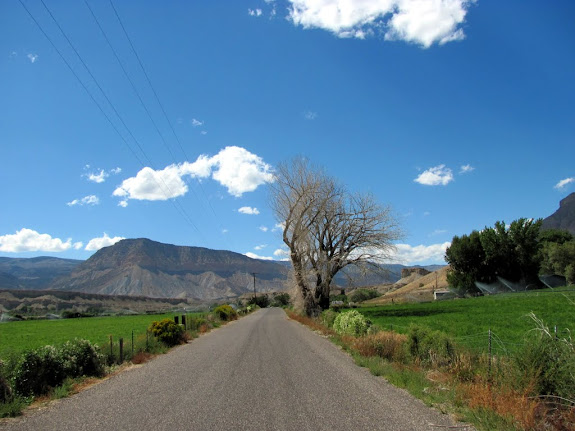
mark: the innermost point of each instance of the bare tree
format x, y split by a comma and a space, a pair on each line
326, 228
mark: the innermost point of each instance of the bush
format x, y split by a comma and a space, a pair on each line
5, 389
225, 313
281, 300
351, 323
328, 317
38, 371
81, 358
548, 363
168, 332
261, 301
430, 347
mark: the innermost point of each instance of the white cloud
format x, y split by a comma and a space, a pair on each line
100, 177
282, 254
408, 255
233, 167
278, 226
86, 200
249, 211
255, 256
123, 204
105, 241
309, 115
438, 175
30, 240
32, 57
561, 184
224, 231
255, 12
426, 213
264, 228
197, 123
203, 132
466, 169
78, 245
438, 232
260, 247
422, 22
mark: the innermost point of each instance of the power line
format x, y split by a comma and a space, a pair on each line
179, 209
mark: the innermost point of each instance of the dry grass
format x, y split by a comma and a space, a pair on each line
387, 345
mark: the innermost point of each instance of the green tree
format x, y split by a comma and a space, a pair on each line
559, 259
466, 258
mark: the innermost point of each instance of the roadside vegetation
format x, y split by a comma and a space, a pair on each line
440, 353
47, 367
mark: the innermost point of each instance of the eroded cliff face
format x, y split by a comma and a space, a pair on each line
141, 267
564, 217
406, 272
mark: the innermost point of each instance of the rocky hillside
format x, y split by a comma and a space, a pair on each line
33, 273
564, 217
141, 267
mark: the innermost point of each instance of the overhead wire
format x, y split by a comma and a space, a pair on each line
181, 210
160, 103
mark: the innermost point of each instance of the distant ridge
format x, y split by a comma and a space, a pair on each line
564, 217
142, 267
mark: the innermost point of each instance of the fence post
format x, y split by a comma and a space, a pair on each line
132, 343
111, 349
147, 348
184, 321
121, 350
556, 337
489, 367
176, 319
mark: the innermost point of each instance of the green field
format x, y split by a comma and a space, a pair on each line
29, 334
469, 320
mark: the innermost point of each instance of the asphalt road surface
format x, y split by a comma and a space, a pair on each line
263, 372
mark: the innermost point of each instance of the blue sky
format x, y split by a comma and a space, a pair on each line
456, 113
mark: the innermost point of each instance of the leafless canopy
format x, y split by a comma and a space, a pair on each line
326, 228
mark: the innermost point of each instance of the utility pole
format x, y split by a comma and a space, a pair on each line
255, 297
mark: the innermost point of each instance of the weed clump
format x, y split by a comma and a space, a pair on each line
386, 345
168, 332
351, 323
430, 347
225, 313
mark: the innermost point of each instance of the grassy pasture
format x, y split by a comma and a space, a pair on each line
469, 320
20, 336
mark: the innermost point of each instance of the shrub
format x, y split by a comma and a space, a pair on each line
351, 323
261, 301
196, 321
5, 389
281, 300
38, 371
81, 358
328, 317
430, 347
168, 332
225, 313
548, 363
386, 345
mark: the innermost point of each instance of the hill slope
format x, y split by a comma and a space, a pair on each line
33, 273
141, 267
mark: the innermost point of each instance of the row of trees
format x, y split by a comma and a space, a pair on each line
518, 253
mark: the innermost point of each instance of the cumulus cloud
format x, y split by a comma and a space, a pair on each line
281, 254
255, 256
561, 184
32, 58
86, 200
409, 255
438, 232
100, 176
249, 211
264, 228
233, 167
466, 169
197, 123
105, 241
255, 12
422, 22
260, 247
30, 240
438, 175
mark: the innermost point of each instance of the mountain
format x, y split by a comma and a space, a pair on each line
564, 217
141, 267
33, 273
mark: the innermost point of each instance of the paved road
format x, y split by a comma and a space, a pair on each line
263, 372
